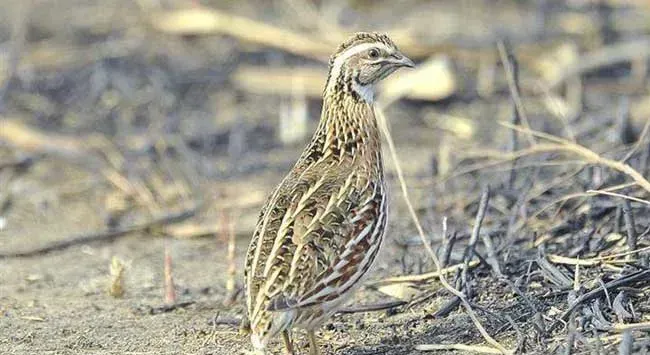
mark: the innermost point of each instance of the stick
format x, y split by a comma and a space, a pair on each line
512, 75
511, 66
372, 307
629, 225
461, 347
105, 236
170, 290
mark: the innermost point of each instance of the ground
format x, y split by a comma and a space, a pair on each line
134, 138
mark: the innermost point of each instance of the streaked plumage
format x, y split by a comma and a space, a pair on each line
321, 228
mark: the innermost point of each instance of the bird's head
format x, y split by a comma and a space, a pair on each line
361, 62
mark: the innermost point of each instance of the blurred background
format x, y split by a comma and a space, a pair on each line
140, 134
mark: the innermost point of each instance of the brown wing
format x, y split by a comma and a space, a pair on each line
324, 242
344, 244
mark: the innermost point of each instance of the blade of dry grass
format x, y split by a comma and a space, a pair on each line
400, 174
588, 155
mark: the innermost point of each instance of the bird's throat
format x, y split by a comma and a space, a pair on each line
348, 126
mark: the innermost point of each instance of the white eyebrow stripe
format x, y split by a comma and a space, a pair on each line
341, 58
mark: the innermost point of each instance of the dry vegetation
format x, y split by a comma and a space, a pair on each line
138, 139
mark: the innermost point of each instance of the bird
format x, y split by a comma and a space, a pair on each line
320, 229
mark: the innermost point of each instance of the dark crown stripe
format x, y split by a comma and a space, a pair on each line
359, 38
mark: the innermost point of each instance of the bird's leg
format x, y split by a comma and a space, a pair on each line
288, 344
244, 326
313, 343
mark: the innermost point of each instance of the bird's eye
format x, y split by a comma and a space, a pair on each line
373, 53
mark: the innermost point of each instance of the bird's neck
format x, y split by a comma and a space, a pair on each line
347, 126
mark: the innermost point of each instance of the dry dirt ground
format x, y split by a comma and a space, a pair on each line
58, 303
113, 122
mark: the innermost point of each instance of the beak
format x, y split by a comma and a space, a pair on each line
400, 60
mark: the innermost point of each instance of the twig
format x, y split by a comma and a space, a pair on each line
372, 307
512, 75
165, 308
447, 308
629, 225
511, 66
447, 245
170, 290
116, 286
461, 347
224, 321
623, 125
571, 334
492, 260
107, 235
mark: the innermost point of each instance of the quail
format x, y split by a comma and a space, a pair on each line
320, 230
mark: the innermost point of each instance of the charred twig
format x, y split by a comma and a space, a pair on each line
233, 322
612, 285
470, 252
447, 243
571, 334
516, 117
372, 307
624, 129
105, 236
512, 75
20, 163
461, 347
619, 307
480, 214
447, 308
618, 217
553, 274
165, 308
629, 225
